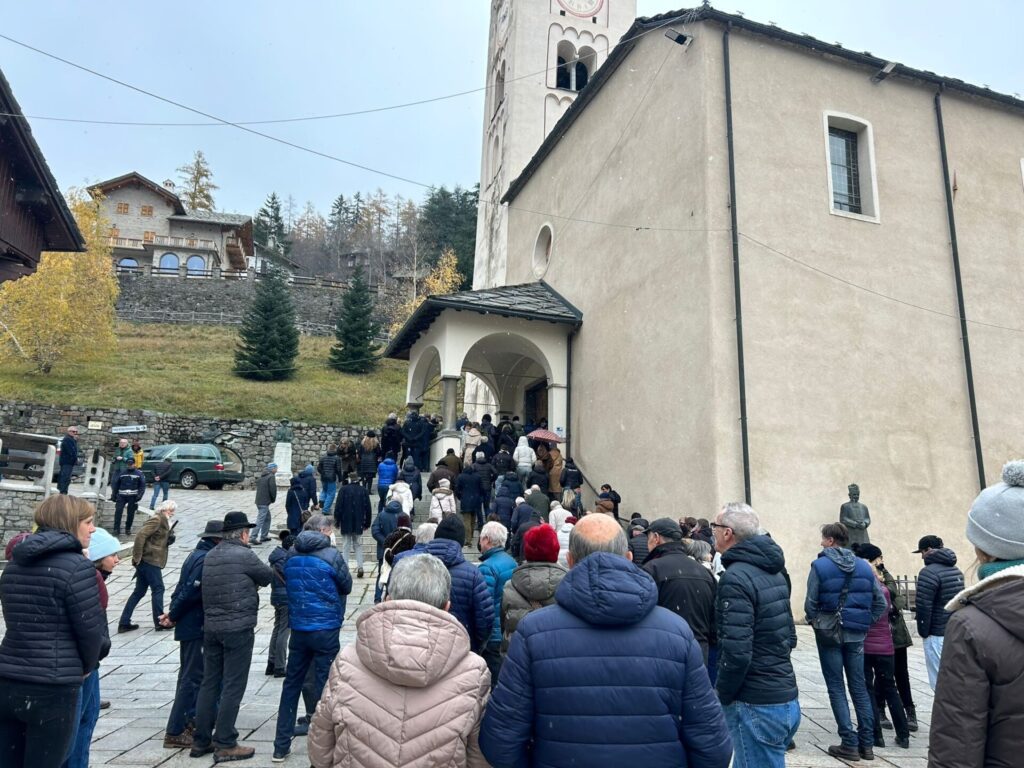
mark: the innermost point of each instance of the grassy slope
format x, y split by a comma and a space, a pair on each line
187, 370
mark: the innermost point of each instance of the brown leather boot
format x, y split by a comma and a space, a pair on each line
236, 752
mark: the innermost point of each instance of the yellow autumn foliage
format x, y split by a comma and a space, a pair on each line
443, 279
64, 312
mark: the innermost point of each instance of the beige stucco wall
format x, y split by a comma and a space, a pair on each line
843, 385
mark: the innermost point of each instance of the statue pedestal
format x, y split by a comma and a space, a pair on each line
283, 459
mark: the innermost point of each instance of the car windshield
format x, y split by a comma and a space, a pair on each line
157, 451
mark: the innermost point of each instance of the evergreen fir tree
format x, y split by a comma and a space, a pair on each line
356, 350
268, 340
268, 225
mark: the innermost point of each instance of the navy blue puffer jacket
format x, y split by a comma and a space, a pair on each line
754, 620
604, 678
471, 601
278, 590
503, 506
937, 583
186, 609
384, 525
864, 600
317, 580
56, 629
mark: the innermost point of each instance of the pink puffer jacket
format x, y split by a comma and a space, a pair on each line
407, 692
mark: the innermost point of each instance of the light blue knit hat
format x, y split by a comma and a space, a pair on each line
995, 524
102, 544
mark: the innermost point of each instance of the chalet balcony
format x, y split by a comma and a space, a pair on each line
185, 243
234, 246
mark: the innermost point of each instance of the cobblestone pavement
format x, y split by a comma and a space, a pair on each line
139, 675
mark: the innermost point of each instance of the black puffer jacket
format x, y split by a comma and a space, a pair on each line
232, 576
56, 629
937, 583
686, 588
391, 438
756, 634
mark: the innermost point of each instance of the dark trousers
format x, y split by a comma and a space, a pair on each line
305, 649
147, 576
879, 675
902, 675
226, 660
37, 723
190, 677
278, 651
132, 505
382, 492
88, 714
64, 479
492, 655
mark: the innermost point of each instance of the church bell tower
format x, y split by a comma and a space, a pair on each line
540, 54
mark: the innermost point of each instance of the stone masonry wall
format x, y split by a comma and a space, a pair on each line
255, 444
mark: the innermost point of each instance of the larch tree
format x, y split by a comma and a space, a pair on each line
443, 279
197, 183
356, 331
268, 339
64, 312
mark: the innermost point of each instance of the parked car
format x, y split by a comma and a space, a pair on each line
195, 464
28, 460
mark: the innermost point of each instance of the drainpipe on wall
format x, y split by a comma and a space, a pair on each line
737, 299
955, 250
568, 394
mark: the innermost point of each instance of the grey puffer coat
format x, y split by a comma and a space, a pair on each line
531, 586
232, 576
56, 629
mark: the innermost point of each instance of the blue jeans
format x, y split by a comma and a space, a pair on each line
761, 732
848, 658
304, 649
262, 529
147, 576
932, 657
327, 496
88, 714
162, 487
190, 677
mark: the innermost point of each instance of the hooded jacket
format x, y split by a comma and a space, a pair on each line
186, 608
555, 467
402, 493
937, 583
524, 456
391, 437
470, 488
56, 631
442, 502
278, 590
557, 516
520, 515
754, 621
977, 718
411, 475
384, 524
864, 601
497, 566
571, 476
503, 506
407, 692
318, 581
471, 602
563, 544
352, 509
295, 503
266, 489
531, 586
232, 576
686, 588
502, 462
309, 483
387, 473
652, 708
485, 471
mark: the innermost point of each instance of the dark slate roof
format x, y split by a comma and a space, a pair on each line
532, 301
705, 12
214, 217
61, 229
134, 177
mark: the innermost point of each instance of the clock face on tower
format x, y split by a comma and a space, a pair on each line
581, 8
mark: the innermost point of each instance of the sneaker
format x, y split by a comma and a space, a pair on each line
845, 752
903, 742
126, 628
279, 755
236, 752
912, 718
866, 753
177, 740
104, 704
200, 751
301, 727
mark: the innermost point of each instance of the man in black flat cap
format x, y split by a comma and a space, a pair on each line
232, 576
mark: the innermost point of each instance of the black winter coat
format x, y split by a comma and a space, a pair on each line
329, 468
186, 609
686, 588
502, 463
638, 546
232, 576
278, 588
469, 489
937, 583
352, 509
486, 473
756, 634
411, 475
503, 506
540, 479
391, 438
68, 451
571, 477
56, 628
520, 515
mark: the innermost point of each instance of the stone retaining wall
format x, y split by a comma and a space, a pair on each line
255, 442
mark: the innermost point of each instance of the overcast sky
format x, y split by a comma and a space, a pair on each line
262, 60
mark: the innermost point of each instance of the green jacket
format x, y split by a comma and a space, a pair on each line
121, 456
901, 637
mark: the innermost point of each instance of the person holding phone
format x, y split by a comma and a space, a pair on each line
149, 556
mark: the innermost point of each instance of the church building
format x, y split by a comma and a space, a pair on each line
746, 264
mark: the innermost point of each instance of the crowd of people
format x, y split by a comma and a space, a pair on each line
682, 627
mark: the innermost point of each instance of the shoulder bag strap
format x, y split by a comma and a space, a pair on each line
845, 591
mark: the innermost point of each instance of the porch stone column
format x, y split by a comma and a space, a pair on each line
448, 400
558, 408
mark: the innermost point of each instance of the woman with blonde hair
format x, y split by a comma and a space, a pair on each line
369, 457
56, 634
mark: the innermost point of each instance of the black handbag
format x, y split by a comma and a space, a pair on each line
828, 627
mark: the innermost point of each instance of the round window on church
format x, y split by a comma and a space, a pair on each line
542, 251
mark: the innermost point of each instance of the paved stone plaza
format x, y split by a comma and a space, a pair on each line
138, 677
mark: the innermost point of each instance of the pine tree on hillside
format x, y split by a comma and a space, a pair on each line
268, 340
197, 185
356, 350
268, 225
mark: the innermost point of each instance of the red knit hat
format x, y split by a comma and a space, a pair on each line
540, 544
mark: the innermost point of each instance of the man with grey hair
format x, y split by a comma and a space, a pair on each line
606, 608
421, 691
756, 636
318, 581
496, 565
